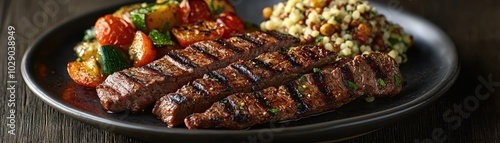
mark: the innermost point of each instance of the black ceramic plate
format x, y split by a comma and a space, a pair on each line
431, 70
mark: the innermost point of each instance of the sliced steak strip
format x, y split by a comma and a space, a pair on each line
136, 88
269, 69
312, 93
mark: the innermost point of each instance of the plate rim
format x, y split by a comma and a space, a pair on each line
113, 124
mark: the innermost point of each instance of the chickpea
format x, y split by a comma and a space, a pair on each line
318, 3
364, 29
327, 29
267, 12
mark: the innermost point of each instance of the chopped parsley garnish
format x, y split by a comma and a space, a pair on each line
298, 105
225, 101
397, 80
256, 94
89, 34
381, 82
283, 49
273, 110
353, 85
159, 38
249, 25
215, 10
133, 56
393, 41
338, 20
301, 89
318, 40
268, 102
302, 79
316, 70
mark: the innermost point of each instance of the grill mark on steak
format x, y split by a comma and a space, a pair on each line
182, 60
325, 90
171, 72
290, 58
220, 78
110, 90
228, 46
228, 107
265, 65
297, 96
255, 79
348, 79
152, 68
263, 102
311, 54
250, 39
265, 70
235, 110
318, 80
205, 52
200, 88
177, 98
282, 99
375, 67
132, 78
277, 36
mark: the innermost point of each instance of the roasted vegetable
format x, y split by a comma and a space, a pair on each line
139, 33
112, 59
89, 35
124, 12
155, 16
86, 50
190, 33
191, 11
232, 24
85, 73
219, 6
111, 30
142, 50
160, 39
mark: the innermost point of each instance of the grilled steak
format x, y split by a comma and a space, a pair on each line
269, 69
333, 86
136, 88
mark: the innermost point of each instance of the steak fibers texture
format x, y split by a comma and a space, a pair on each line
268, 69
136, 88
322, 90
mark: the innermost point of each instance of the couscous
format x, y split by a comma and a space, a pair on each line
351, 26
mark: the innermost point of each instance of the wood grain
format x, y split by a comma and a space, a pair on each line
471, 25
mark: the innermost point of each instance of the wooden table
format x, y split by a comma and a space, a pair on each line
472, 25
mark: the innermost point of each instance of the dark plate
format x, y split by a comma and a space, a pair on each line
431, 70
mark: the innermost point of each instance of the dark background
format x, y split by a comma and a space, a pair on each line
472, 25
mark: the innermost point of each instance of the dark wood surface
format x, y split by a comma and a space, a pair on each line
472, 25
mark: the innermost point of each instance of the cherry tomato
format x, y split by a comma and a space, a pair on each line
231, 23
85, 73
111, 30
142, 50
191, 11
188, 34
